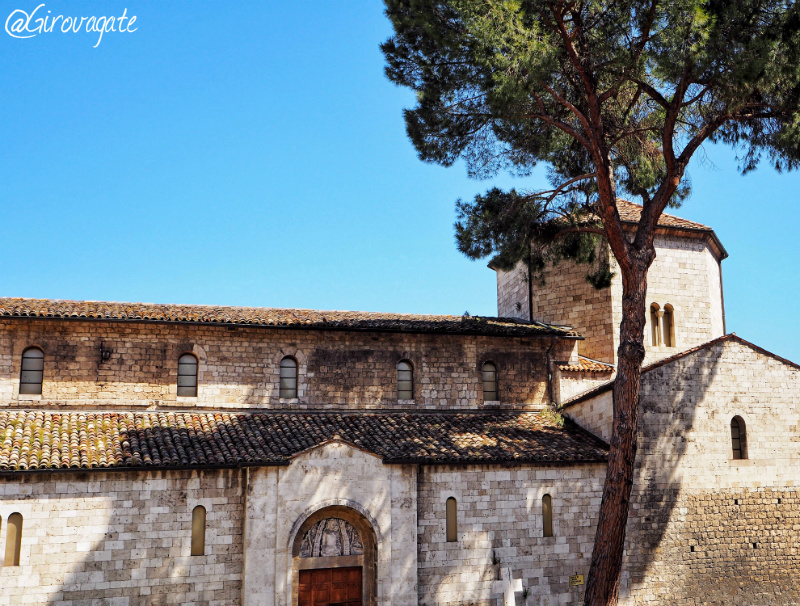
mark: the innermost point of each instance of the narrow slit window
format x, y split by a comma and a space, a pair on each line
199, 531
32, 371
187, 376
668, 326
13, 539
547, 516
489, 377
654, 332
288, 388
405, 381
738, 438
451, 520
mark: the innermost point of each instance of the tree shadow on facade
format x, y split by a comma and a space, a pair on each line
124, 538
669, 399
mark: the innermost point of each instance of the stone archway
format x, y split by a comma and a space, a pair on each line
333, 552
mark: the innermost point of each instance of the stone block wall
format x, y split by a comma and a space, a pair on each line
239, 366
705, 528
687, 276
500, 512
731, 547
513, 293
335, 474
123, 538
566, 298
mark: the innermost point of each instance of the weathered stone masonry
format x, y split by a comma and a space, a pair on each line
239, 366
706, 528
123, 538
500, 513
696, 513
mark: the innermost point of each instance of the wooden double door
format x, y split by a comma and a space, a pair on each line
330, 587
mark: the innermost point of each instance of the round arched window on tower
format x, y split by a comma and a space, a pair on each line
655, 328
668, 326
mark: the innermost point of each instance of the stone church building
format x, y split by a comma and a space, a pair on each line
166, 454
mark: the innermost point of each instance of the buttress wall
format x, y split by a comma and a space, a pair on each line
513, 293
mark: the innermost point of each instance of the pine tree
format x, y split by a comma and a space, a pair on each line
613, 97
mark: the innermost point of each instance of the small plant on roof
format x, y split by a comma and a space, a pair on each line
552, 416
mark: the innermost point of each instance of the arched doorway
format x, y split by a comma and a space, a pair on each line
334, 560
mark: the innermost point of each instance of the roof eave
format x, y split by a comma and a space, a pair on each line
601, 389
695, 232
510, 332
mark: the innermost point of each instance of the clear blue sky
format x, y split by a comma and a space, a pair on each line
252, 153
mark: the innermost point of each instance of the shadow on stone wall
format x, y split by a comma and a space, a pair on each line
690, 543
668, 401
123, 539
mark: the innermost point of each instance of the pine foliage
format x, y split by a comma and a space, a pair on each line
502, 84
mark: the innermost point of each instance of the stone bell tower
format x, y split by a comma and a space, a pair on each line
684, 293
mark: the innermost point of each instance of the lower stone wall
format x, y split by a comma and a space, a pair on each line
732, 547
500, 513
689, 491
123, 538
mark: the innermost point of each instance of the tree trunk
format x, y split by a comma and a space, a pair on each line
602, 587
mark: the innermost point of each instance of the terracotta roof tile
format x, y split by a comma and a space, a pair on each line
44, 440
631, 213
272, 317
586, 365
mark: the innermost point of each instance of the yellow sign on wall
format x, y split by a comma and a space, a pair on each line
575, 580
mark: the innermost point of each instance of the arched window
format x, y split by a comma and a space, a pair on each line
668, 326
655, 333
451, 525
13, 539
288, 387
547, 516
738, 438
187, 376
405, 380
489, 377
32, 372
199, 531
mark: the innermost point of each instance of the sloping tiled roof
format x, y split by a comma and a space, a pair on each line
272, 317
44, 440
588, 395
630, 212
586, 365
